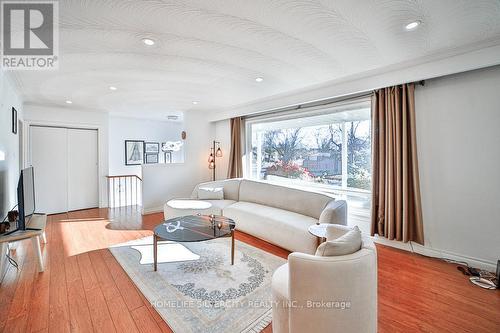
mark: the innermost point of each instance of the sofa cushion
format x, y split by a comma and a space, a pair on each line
334, 212
348, 243
211, 193
294, 200
231, 188
334, 231
286, 229
182, 207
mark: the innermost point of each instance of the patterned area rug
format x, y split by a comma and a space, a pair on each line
196, 289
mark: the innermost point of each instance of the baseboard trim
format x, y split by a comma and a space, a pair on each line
436, 253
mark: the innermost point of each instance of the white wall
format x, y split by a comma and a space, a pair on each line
71, 116
458, 132
223, 135
9, 144
121, 129
162, 182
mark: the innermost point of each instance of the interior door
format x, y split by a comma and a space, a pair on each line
48, 147
83, 187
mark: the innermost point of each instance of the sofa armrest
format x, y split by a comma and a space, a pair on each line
194, 194
335, 212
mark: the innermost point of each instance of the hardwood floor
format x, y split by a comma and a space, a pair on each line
84, 289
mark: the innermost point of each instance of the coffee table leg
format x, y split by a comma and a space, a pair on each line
232, 247
155, 252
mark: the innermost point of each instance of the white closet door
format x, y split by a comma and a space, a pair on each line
83, 178
48, 147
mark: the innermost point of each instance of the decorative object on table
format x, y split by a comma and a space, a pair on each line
14, 120
214, 153
151, 158
11, 218
151, 147
134, 152
4, 226
168, 157
168, 147
12, 215
183, 135
200, 273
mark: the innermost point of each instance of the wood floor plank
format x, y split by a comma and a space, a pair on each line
121, 316
145, 321
9, 284
19, 309
126, 287
80, 320
38, 318
164, 327
156, 316
59, 319
87, 273
99, 313
104, 278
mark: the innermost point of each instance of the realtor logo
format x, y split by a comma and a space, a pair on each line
29, 35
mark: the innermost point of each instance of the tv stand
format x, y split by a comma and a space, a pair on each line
34, 230
16, 230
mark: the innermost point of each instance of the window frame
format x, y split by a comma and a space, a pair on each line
299, 113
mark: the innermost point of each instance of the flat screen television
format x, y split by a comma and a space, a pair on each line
25, 198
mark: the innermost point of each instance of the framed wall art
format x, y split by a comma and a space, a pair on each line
151, 158
134, 152
151, 147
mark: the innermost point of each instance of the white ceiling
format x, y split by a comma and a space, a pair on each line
211, 51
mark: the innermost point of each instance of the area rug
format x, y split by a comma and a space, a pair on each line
196, 289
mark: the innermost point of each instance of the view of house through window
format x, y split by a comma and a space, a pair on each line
328, 150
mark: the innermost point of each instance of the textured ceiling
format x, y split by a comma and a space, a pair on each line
211, 51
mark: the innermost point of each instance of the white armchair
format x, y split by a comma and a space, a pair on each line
327, 294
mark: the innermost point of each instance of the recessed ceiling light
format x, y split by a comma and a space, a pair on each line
195, 102
148, 41
259, 79
69, 102
413, 25
113, 88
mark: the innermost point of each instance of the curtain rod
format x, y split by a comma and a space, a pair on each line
311, 104
322, 102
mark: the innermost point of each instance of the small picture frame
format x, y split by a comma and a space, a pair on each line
134, 152
151, 147
151, 158
14, 120
168, 157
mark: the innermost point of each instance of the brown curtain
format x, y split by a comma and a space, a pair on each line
235, 169
396, 206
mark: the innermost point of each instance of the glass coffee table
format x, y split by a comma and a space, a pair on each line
193, 228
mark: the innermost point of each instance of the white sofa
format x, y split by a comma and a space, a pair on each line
277, 214
308, 280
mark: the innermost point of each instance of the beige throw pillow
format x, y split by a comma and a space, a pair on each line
334, 231
348, 243
211, 193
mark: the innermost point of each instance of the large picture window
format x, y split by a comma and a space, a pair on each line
328, 149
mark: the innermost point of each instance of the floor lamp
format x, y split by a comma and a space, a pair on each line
212, 157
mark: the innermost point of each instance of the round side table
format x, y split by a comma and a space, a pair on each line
318, 230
